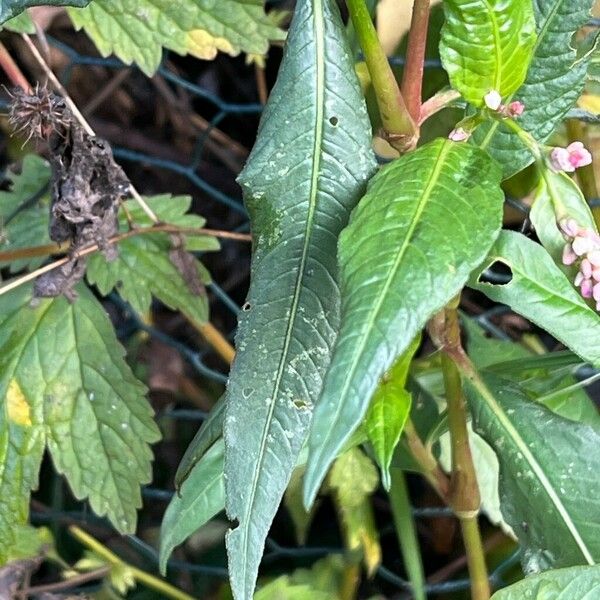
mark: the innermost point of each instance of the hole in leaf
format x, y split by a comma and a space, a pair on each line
498, 273
246, 306
334, 121
300, 404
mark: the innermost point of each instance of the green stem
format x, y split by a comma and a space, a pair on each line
406, 532
464, 494
412, 78
151, 581
429, 465
400, 128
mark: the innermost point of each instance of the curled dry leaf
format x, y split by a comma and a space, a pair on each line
87, 185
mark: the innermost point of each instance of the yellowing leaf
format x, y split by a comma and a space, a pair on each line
16, 404
137, 30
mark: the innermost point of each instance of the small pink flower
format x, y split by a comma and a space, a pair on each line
459, 135
586, 288
596, 292
594, 258
515, 109
582, 245
586, 268
568, 257
572, 157
596, 274
493, 100
569, 227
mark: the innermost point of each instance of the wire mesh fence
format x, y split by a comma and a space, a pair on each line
196, 357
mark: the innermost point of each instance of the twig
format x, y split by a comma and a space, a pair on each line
161, 228
72, 582
10, 67
412, 78
215, 338
77, 113
261, 84
106, 91
159, 585
437, 103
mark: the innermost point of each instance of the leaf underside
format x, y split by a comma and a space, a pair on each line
65, 386
307, 170
137, 30
426, 221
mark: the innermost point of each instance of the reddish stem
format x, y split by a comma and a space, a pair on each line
10, 67
412, 79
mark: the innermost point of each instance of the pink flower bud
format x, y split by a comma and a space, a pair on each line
578, 279
586, 288
569, 227
459, 135
493, 100
515, 109
568, 257
586, 268
582, 245
596, 292
596, 274
594, 258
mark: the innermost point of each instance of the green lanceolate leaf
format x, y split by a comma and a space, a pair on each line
487, 45
540, 292
137, 30
549, 474
64, 384
11, 8
558, 197
306, 172
201, 497
426, 221
24, 211
554, 82
22, 23
575, 583
388, 411
210, 431
144, 268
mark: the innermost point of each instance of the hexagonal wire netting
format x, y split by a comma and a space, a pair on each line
196, 357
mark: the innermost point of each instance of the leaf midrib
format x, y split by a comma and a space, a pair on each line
547, 485
319, 29
497, 45
435, 173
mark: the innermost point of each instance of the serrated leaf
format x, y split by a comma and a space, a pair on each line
143, 267
558, 197
352, 480
389, 410
137, 30
307, 170
426, 221
65, 385
24, 211
554, 82
575, 583
201, 497
12, 8
487, 45
283, 588
549, 474
540, 292
22, 23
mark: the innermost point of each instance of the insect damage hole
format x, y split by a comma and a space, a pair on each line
497, 273
334, 121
